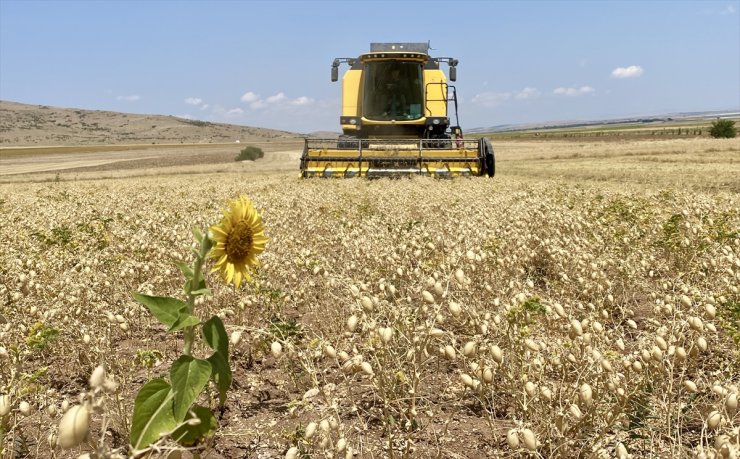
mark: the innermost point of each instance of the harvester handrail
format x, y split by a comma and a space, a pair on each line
445, 93
366, 144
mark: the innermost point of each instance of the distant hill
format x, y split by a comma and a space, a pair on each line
650, 119
26, 125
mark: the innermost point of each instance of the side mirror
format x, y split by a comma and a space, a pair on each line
453, 73
334, 73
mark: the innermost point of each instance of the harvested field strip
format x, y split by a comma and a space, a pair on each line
10, 152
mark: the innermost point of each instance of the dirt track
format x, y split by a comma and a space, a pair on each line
142, 158
48, 163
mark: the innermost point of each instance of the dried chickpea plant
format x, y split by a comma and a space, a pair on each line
389, 318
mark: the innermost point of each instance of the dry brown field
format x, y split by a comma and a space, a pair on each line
582, 303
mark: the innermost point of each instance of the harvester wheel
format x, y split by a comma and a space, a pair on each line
490, 158
491, 165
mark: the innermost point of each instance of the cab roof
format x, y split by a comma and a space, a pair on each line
400, 48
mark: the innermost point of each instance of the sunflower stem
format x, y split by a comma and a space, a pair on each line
205, 247
189, 337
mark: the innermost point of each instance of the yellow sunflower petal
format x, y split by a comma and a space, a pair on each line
218, 232
245, 273
229, 271
238, 239
254, 261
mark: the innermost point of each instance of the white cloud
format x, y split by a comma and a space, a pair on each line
279, 100
633, 71
258, 104
729, 9
250, 97
131, 98
491, 99
279, 97
494, 99
204, 107
193, 101
185, 117
303, 100
573, 91
527, 93
221, 111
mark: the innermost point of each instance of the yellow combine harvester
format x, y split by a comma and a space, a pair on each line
395, 103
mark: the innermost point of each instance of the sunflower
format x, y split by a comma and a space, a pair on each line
237, 239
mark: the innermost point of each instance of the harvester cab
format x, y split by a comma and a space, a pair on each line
395, 120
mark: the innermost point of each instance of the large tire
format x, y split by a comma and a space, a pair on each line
490, 158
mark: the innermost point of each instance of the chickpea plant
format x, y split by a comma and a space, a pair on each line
165, 408
553, 318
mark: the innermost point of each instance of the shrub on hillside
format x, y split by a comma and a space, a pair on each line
250, 153
723, 129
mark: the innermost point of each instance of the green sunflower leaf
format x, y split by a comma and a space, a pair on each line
214, 333
202, 291
197, 234
153, 415
207, 243
184, 320
189, 376
221, 375
191, 435
186, 270
189, 290
166, 309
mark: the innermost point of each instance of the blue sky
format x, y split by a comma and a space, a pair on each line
267, 64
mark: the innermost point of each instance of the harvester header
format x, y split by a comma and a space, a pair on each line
395, 120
